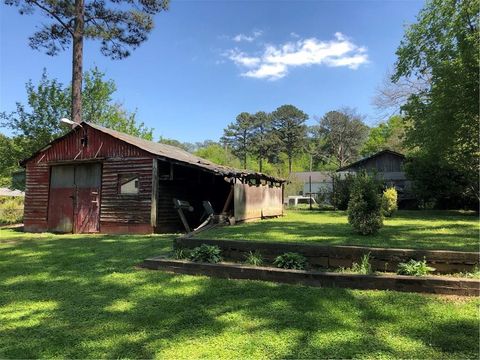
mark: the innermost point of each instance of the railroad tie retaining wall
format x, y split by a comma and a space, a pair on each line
427, 284
382, 259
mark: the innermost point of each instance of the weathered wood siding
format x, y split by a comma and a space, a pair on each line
123, 212
383, 163
36, 196
255, 202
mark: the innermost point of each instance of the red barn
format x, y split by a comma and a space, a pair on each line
95, 179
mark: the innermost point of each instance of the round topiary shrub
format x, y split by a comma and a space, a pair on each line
365, 205
389, 201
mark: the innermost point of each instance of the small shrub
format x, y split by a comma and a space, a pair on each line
341, 191
364, 207
11, 211
414, 268
389, 201
254, 258
206, 253
291, 260
181, 254
364, 267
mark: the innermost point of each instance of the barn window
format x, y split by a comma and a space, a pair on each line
128, 184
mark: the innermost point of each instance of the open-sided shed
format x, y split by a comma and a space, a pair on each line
95, 179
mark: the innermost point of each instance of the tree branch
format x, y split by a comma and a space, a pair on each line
52, 14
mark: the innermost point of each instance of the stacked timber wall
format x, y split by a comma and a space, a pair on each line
341, 256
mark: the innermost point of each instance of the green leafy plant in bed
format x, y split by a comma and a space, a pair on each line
254, 258
181, 254
206, 253
364, 267
291, 260
414, 268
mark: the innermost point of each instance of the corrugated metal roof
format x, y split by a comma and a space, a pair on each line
173, 153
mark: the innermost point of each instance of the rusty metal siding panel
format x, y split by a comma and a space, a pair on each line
121, 208
36, 196
255, 202
99, 145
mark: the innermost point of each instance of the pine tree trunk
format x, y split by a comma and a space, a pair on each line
289, 165
260, 165
77, 61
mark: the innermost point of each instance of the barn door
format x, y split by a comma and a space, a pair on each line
74, 201
60, 203
87, 198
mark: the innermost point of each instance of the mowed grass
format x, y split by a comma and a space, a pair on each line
452, 230
82, 297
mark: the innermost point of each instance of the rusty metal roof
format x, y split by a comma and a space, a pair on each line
177, 154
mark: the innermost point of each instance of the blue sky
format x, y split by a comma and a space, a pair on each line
207, 61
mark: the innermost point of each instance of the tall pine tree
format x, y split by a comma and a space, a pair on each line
289, 125
119, 25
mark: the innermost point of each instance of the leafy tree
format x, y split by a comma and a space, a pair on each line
119, 25
289, 125
218, 154
264, 141
387, 135
8, 156
343, 133
443, 119
37, 123
238, 135
184, 146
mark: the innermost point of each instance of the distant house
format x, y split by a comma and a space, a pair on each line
387, 165
314, 182
95, 179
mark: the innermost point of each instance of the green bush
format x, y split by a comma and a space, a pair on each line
364, 267
254, 258
291, 260
365, 207
341, 191
206, 253
414, 268
11, 211
389, 201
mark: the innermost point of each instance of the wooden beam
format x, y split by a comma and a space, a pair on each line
155, 184
228, 201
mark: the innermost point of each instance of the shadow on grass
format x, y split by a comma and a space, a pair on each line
80, 297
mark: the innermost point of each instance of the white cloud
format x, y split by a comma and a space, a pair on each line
275, 61
248, 38
242, 59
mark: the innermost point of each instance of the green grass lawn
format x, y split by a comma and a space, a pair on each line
452, 230
81, 297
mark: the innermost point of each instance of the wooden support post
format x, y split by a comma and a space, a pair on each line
155, 185
228, 201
